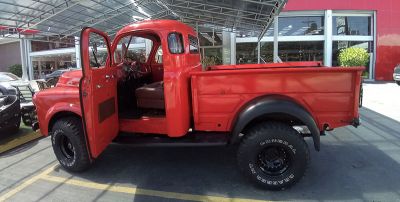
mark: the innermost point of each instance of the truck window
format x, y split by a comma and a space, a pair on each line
193, 44
175, 43
132, 48
98, 51
159, 54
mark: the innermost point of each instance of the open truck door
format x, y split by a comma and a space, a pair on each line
98, 90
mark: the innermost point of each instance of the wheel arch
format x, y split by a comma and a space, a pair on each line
59, 115
55, 112
274, 108
65, 114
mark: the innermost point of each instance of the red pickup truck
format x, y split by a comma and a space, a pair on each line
148, 87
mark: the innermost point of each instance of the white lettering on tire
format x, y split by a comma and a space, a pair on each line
262, 143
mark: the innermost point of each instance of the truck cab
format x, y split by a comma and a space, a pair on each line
138, 92
149, 82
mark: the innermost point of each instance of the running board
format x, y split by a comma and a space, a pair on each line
193, 139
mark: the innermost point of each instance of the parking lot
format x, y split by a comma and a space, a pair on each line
354, 164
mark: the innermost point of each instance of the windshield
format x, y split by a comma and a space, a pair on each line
8, 77
133, 48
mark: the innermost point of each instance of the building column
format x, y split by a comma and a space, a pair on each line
276, 34
328, 39
77, 52
233, 48
258, 52
26, 62
228, 48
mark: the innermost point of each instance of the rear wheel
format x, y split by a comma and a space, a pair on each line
69, 145
273, 155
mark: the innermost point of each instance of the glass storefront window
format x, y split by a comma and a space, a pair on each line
267, 52
301, 51
244, 34
340, 45
352, 25
211, 56
246, 53
210, 39
43, 65
68, 42
301, 25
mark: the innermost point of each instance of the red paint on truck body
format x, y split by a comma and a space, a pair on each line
207, 100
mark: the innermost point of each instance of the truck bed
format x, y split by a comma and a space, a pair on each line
330, 94
265, 66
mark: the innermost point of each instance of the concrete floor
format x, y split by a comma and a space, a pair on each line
353, 165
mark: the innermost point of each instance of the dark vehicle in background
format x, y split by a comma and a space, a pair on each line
396, 74
53, 77
16, 101
8, 81
10, 114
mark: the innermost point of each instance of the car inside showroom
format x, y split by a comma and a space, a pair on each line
199, 100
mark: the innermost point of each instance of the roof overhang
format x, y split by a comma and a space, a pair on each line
52, 20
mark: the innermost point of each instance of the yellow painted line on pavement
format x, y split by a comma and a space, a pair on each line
26, 183
145, 192
5, 146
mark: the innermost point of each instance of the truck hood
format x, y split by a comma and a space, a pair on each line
70, 79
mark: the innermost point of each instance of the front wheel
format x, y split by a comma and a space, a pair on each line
398, 83
69, 145
273, 155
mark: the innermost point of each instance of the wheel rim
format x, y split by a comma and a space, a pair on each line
274, 160
67, 149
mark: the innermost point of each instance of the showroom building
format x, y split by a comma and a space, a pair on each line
307, 30
316, 30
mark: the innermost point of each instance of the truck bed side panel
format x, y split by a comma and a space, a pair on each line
327, 93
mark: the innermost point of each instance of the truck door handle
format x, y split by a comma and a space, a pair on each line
98, 86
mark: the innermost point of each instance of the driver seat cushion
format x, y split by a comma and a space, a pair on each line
151, 96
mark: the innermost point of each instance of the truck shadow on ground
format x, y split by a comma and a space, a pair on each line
353, 163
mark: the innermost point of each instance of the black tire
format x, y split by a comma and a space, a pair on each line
273, 155
69, 145
398, 83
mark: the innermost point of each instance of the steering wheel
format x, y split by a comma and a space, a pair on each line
136, 69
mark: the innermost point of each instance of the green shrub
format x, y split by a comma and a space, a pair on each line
16, 69
351, 57
211, 61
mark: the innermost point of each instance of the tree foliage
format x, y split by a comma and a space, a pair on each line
16, 69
